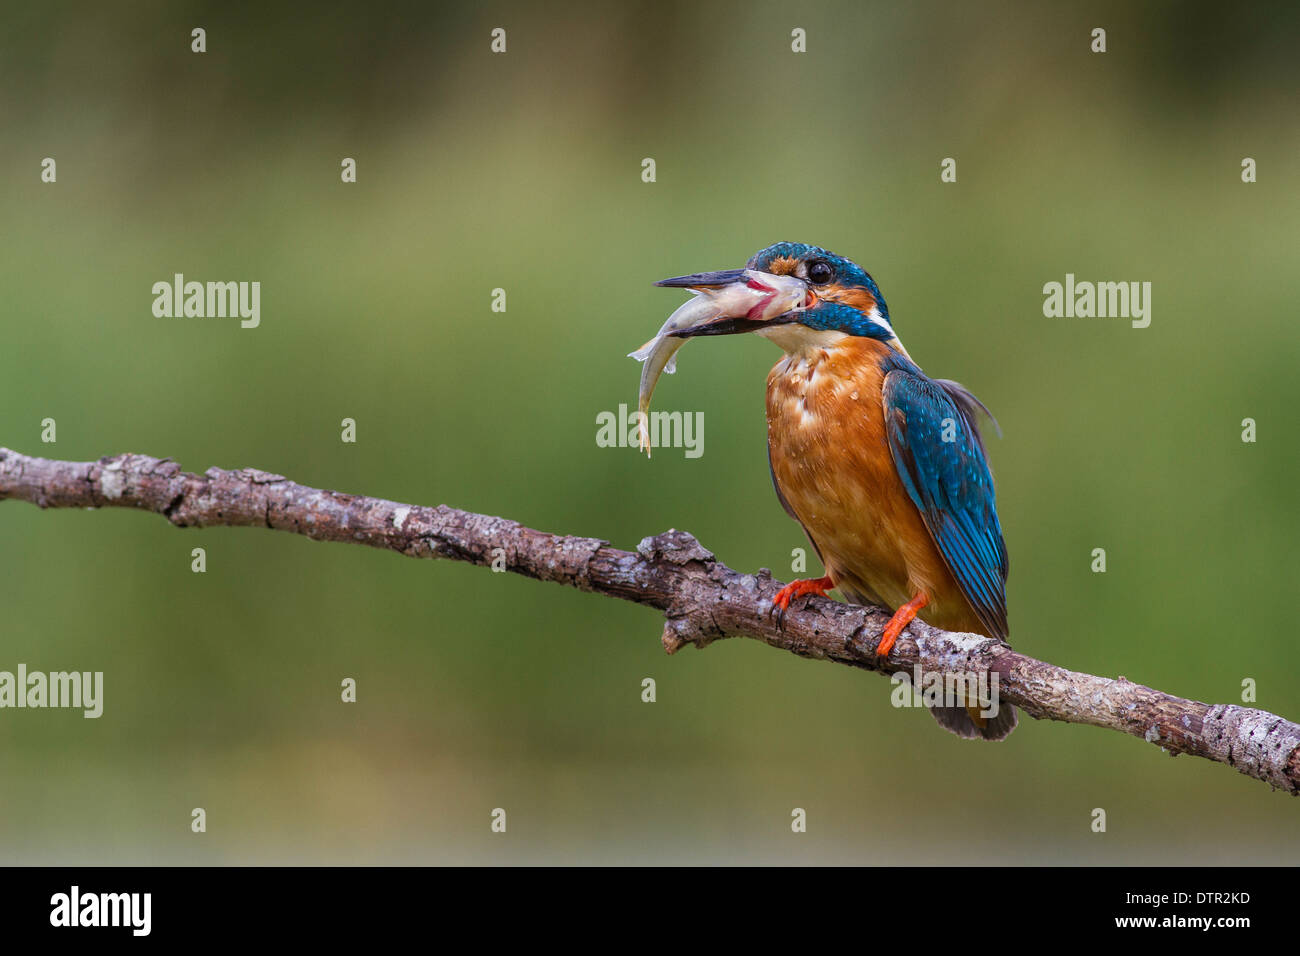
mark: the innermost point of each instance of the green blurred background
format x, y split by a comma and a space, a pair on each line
522, 171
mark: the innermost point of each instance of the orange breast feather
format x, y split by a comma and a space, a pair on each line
832, 465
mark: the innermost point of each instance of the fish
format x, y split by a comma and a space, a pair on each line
754, 295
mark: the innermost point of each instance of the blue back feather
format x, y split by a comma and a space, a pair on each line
949, 482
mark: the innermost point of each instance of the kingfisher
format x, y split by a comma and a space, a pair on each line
884, 467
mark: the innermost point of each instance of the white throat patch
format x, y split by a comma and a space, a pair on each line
797, 339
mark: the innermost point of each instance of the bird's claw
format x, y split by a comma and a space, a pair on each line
781, 600
777, 611
902, 617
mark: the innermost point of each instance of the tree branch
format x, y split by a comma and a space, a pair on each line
702, 599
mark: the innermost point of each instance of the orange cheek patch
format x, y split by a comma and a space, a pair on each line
783, 266
857, 297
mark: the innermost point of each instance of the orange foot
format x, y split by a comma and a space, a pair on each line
902, 617
794, 589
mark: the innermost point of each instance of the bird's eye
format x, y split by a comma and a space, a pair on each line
819, 272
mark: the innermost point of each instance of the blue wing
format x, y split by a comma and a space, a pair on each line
950, 484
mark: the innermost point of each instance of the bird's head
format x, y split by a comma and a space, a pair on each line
839, 299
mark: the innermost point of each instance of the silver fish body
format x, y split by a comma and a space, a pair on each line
758, 295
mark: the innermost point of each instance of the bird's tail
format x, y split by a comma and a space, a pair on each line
969, 723
960, 719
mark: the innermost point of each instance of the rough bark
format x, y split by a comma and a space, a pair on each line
701, 598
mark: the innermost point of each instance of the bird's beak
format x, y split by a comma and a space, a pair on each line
704, 280
741, 300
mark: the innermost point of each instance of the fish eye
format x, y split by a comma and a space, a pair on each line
819, 272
